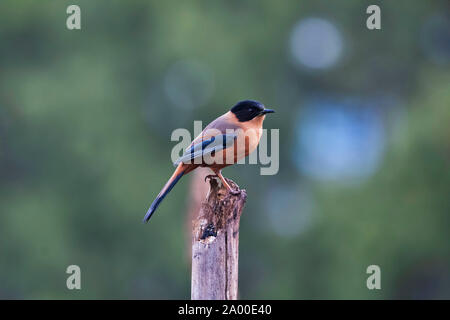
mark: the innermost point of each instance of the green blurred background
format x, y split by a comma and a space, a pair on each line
364, 118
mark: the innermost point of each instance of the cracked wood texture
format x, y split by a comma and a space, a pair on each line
215, 244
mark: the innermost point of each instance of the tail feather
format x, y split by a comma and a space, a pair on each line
179, 172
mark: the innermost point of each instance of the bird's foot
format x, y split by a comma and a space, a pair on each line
235, 192
211, 176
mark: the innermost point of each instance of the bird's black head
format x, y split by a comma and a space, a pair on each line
248, 109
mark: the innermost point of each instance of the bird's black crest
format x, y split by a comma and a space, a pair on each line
248, 109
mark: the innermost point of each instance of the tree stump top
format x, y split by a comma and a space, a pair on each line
215, 211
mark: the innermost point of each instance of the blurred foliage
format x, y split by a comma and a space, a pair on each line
85, 126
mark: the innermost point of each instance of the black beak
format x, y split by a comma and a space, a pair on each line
268, 111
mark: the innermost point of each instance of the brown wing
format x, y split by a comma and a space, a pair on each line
218, 126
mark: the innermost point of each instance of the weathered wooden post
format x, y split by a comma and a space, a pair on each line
215, 244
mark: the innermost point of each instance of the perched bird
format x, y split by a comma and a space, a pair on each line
223, 142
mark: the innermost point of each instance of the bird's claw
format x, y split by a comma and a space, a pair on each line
235, 192
210, 176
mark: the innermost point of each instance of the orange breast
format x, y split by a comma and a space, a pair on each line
248, 137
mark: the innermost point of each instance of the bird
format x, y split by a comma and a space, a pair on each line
223, 142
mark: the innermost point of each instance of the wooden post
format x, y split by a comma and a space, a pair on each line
215, 244
198, 190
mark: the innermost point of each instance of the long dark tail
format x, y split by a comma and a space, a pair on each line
179, 172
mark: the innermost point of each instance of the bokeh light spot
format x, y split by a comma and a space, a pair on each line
316, 43
340, 141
